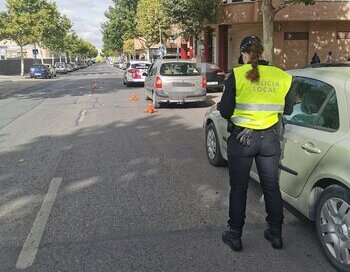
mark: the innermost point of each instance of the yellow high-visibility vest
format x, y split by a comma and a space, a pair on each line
258, 104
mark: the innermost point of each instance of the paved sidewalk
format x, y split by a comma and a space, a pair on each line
12, 78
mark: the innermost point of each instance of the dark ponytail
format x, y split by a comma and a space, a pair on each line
256, 51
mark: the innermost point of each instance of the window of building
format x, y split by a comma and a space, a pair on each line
309, 97
343, 35
296, 36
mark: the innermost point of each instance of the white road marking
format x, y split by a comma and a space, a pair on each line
82, 116
31, 245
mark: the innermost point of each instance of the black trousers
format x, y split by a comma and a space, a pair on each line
265, 149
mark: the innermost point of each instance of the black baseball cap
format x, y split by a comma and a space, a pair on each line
247, 42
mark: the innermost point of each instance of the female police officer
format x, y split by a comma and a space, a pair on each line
254, 97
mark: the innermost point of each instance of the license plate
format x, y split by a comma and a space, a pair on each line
37, 74
212, 83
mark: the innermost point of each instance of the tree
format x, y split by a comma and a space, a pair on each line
269, 12
20, 23
153, 22
129, 47
191, 15
52, 28
120, 25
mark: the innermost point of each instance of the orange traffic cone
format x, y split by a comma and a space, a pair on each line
94, 86
150, 108
133, 96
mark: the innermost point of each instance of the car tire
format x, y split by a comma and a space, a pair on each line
128, 84
155, 103
213, 146
333, 225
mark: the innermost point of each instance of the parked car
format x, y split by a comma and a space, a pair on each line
315, 172
124, 65
329, 64
174, 81
40, 71
61, 68
52, 69
215, 77
134, 72
74, 65
70, 68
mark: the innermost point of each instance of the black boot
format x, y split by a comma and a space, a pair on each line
232, 239
274, 238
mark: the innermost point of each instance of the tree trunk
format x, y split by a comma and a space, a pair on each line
53, 60
268, 16
60, 57
41, 56
147, 53
22, 61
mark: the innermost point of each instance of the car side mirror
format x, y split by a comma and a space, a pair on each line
145, 74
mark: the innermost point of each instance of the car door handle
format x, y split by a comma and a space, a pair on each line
311, 148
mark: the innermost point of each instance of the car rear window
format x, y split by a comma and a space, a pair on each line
141, 66
179, 69
38, 66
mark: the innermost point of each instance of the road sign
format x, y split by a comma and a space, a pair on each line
35, 51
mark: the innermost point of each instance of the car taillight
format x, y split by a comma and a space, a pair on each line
158, 84
204, 82
221, 73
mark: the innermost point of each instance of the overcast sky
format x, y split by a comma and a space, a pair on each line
86, 15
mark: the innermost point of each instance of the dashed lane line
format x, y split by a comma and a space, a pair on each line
31, 245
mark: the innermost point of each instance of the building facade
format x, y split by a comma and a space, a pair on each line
10, 50
299, 32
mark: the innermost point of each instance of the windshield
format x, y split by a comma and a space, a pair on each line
179, 69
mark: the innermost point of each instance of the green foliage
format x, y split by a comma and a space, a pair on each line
77, 47
152, 21
99, 59
129, 47
52, 27
120, 25
191, 15
20, 21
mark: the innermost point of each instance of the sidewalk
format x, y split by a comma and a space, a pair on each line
4, 78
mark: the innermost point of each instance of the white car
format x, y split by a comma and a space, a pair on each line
52, 69
134, 72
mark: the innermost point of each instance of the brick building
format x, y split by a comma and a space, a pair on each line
299, 32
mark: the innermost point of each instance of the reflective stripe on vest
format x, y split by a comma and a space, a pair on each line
259, 103
260, 107
240, 120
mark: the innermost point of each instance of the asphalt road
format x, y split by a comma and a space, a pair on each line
89, 182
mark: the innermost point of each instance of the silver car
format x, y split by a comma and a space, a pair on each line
174, 81
315, 164
52, 69
61, 67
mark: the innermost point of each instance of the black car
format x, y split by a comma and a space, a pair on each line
40, 70
215, 77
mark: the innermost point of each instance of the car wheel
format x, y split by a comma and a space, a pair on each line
333, 225
155, 103
213, 146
